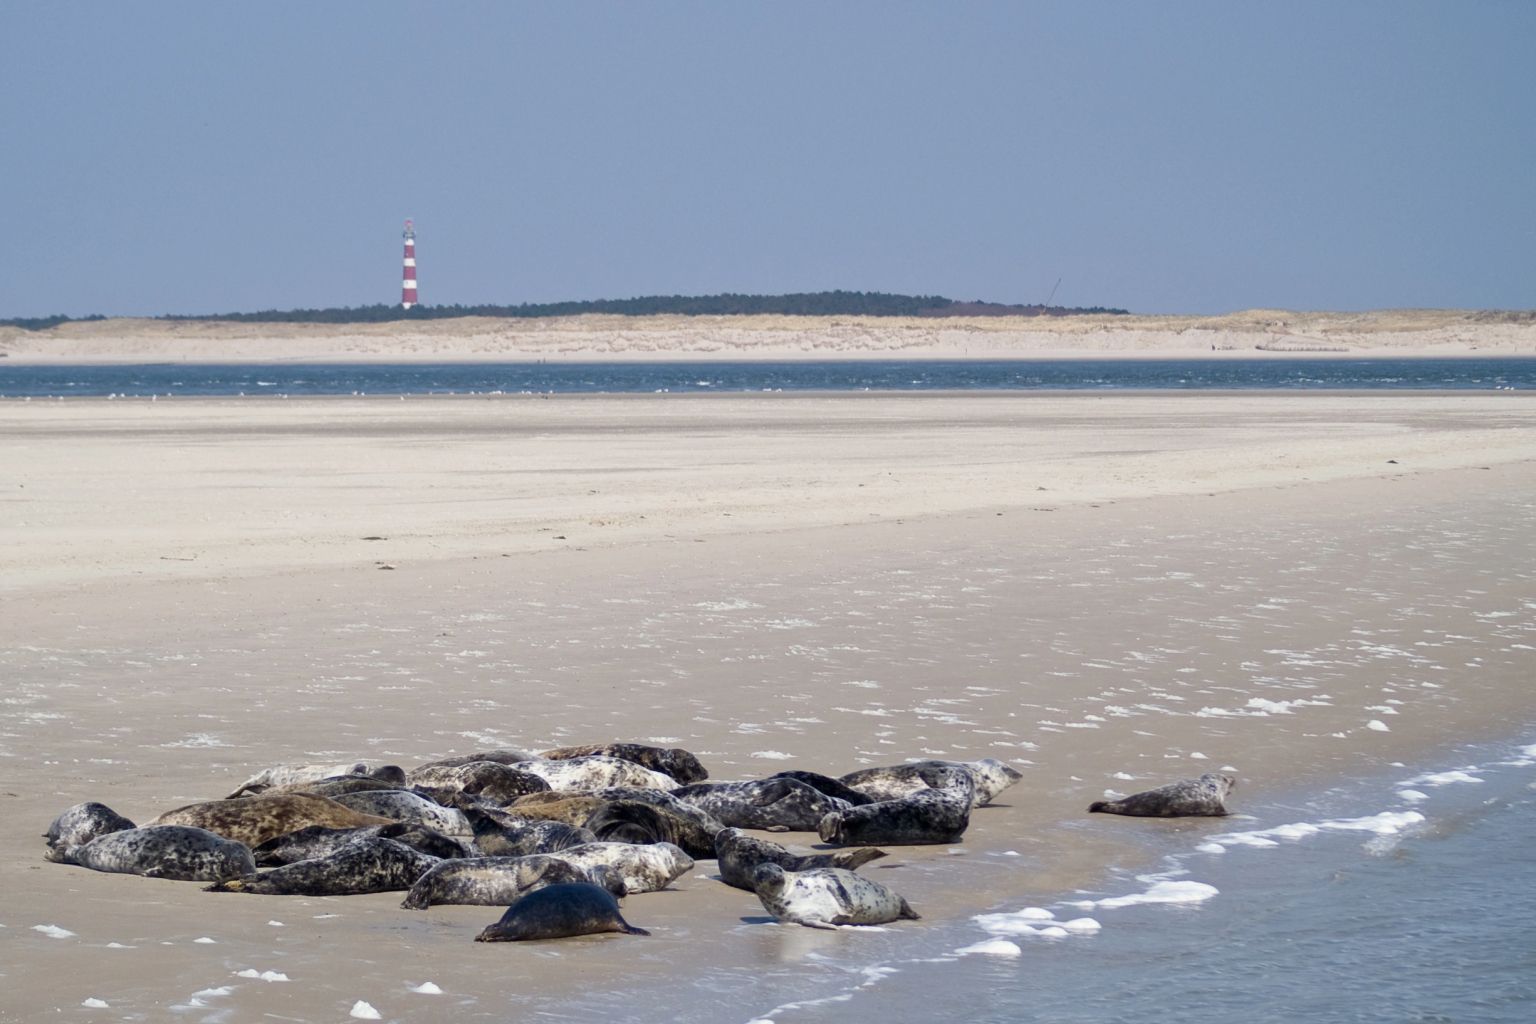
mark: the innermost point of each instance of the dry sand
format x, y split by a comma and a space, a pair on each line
1110, 591
1266, 333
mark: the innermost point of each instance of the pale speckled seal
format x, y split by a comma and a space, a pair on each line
366, 864
501, 755
498, 881
558, 912
1205, 796
290, 774
925, 817
773, 805
643, 868
989, 777
674, 761
490, 780
82, 823
740, 854
825, 897
593, 772
253, 820
403, 805
162, 851
319, 841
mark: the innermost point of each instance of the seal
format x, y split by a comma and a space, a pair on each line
502, 755
253, 820
82, 823
363, 865
642, 868
290, 774
826, 897
924, 818
570, 808
772, 805
739, 854
403, 805
501, 835
683, 766
827, 785
1205, 796
319, 841
558, 912
498, 881
336, 785
595, 771
989, 777
162, 851
489, 780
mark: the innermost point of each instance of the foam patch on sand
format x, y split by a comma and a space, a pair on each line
251, 972
1032, 922
53, 931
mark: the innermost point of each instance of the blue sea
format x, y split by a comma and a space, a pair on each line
25, 381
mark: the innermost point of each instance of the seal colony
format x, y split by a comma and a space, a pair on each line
558, 838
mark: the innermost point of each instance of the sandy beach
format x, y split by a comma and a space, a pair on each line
1109, 591
1265, 333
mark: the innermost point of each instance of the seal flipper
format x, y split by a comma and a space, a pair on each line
630, 929
852, 859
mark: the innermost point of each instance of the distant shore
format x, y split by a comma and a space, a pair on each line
1251, 334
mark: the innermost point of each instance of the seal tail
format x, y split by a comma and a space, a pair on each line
852, 859
630, 929
1098, 806
228, 885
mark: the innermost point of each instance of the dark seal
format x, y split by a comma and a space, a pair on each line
558, 912
1202, 797
926, 817
772, 805
366, 864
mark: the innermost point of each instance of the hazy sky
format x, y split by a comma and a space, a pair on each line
1163, 157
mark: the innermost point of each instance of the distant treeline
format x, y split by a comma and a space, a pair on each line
838, 303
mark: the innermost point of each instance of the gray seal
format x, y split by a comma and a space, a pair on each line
826, 897
82, 823
674, 761
772, 805
498, 881
403, 805
292, 774
592, 772
989, 777
504, 835
253, 820
319, 841
502, 755
558, 912
489, 780
162, 851
643, 868
923, 818
1205, 796
366, 864
739, 855
640, 822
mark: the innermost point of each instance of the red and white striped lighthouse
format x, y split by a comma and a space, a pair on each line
408, 288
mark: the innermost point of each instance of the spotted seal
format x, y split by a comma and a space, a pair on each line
925, 817
319, 841
739, 854
82, 823
643, 868
502, 835
288, 774
827, 785
498, 881
826, 897
595, 771
403, 805
1205, 796
681, 765
558, 912
366, 864
253, 820
501, 755
635, 821
489, 780
989, 777
335, 786
773, 805
162, 851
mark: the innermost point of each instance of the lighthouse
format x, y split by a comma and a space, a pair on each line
408, 286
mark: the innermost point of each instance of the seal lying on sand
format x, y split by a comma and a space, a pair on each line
503, 755
288, 774
633, 821
824, 897
499, 835
773, 805
1205, 796
740, 854
403, 805
366, 864
989, 777
319, 841
827, 785
497, 783
676, 762
162, 851
593, 772
925, 817
253, 820
82, 823
498, 881
560, 911
643, 868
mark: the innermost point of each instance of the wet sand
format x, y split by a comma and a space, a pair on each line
1110, 592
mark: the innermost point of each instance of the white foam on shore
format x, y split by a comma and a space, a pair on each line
1444, 778
364, 1011
94, 1004
1383, 824
251, 972
426, 988
992, 947
1165, 891
53, 931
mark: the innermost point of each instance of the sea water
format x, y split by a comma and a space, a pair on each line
191, 380
1409, 897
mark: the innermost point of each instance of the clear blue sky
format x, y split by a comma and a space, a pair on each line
1165, 157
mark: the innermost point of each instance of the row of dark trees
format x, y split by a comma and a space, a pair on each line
836, 303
